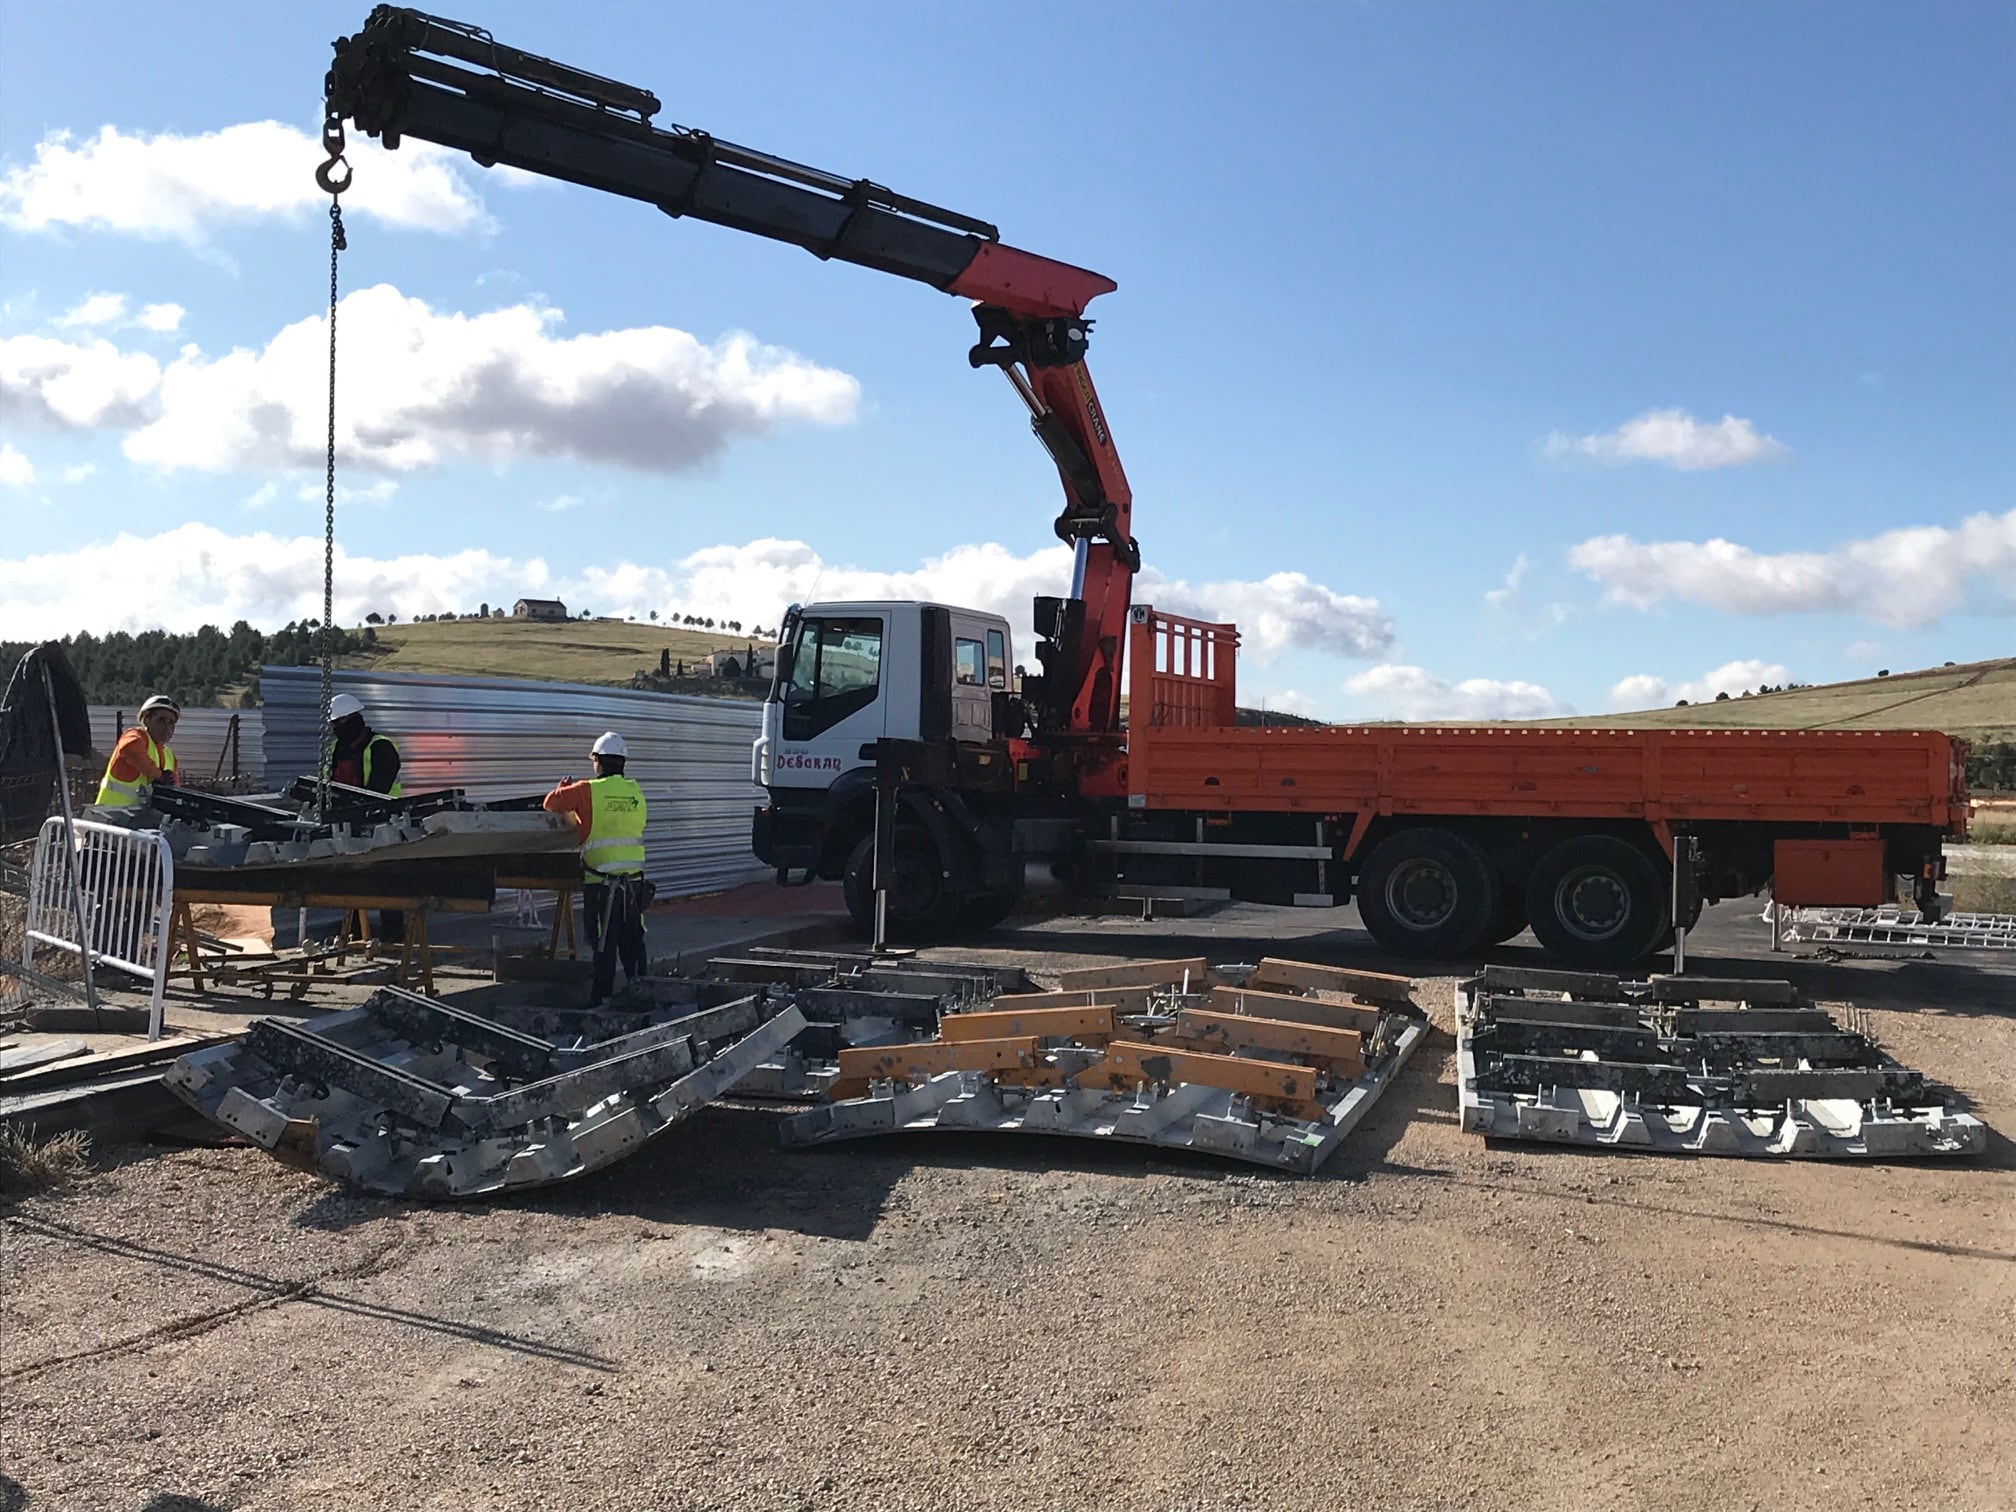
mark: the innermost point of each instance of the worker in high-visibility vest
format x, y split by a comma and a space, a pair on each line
363, 758
142, 757
608, 810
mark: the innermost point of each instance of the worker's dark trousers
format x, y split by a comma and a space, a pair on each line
614, 915
392, 926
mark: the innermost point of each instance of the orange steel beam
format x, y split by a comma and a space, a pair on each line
1282, 1088
1135, 974
1082, 1024
1126, 999
1375, 986
1298, 1010
928, 1058
1341, 1052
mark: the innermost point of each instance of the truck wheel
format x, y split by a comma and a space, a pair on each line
1428, 892
1596, 900
1511, 920
919, 907
985, 911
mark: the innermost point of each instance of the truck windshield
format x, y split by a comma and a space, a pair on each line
836, 666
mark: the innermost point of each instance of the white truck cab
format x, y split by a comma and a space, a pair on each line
852, 673
849, 675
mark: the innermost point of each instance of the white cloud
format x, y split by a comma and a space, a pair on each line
1417, 694
1675, 437
1505, 596
379, 492
263, 495
419, 387
561, 503
16, 471
109, 312
95, 310
1508, 602
77, 385
1284, 611
1912, 576
77, 472
184, 188
1644, 690
195, 574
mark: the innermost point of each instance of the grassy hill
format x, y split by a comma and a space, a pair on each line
576, 651
1976, 701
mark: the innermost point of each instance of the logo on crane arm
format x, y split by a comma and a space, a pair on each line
1091, 404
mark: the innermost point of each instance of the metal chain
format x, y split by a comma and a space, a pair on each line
332, 136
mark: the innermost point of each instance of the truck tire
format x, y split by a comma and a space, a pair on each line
985, 911
1596, 900
1511, 920
1428, 892
919, 906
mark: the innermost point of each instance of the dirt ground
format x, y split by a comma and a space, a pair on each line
983, 1322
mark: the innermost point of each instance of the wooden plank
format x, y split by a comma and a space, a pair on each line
1374, 986
294, 897
1124, 999
1299, 1010
1136, 974
1272, 1084
1341, 1052
125, 1058
1046, 1023
929, 1058
29, 1057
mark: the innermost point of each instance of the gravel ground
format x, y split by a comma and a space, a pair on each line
934, 1322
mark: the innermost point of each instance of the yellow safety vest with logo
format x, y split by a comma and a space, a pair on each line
398, 788
615, 846
112, 793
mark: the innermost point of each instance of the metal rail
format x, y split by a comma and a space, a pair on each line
1897, 927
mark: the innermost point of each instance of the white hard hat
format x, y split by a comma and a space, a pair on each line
161, 701
608, 743
343, 705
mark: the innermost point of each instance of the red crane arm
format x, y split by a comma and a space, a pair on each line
405, 73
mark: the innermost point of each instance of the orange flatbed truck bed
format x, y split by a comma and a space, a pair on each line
1452, 837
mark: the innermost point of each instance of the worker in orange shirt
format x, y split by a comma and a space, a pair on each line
608, 811
142, 757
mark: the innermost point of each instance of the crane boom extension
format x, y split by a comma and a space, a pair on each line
409, 74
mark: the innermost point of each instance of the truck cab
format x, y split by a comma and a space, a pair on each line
848, 675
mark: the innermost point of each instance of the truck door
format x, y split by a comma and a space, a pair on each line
973, 681
833, 700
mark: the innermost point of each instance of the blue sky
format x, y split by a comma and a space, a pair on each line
1617, 353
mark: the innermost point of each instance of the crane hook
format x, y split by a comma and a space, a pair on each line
333, 141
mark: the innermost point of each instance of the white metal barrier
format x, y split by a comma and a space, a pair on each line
1896, 926
123, 882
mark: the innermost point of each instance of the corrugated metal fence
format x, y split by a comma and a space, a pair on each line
212, 746
499, 738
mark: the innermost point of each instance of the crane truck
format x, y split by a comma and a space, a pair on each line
1119, 762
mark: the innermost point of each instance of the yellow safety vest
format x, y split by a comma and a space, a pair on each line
398, 788
112, 793
615, 845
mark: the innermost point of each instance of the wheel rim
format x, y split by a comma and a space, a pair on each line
1592, 903
913, 883
1421, 893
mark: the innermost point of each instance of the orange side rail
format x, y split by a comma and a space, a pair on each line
1283, 1088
